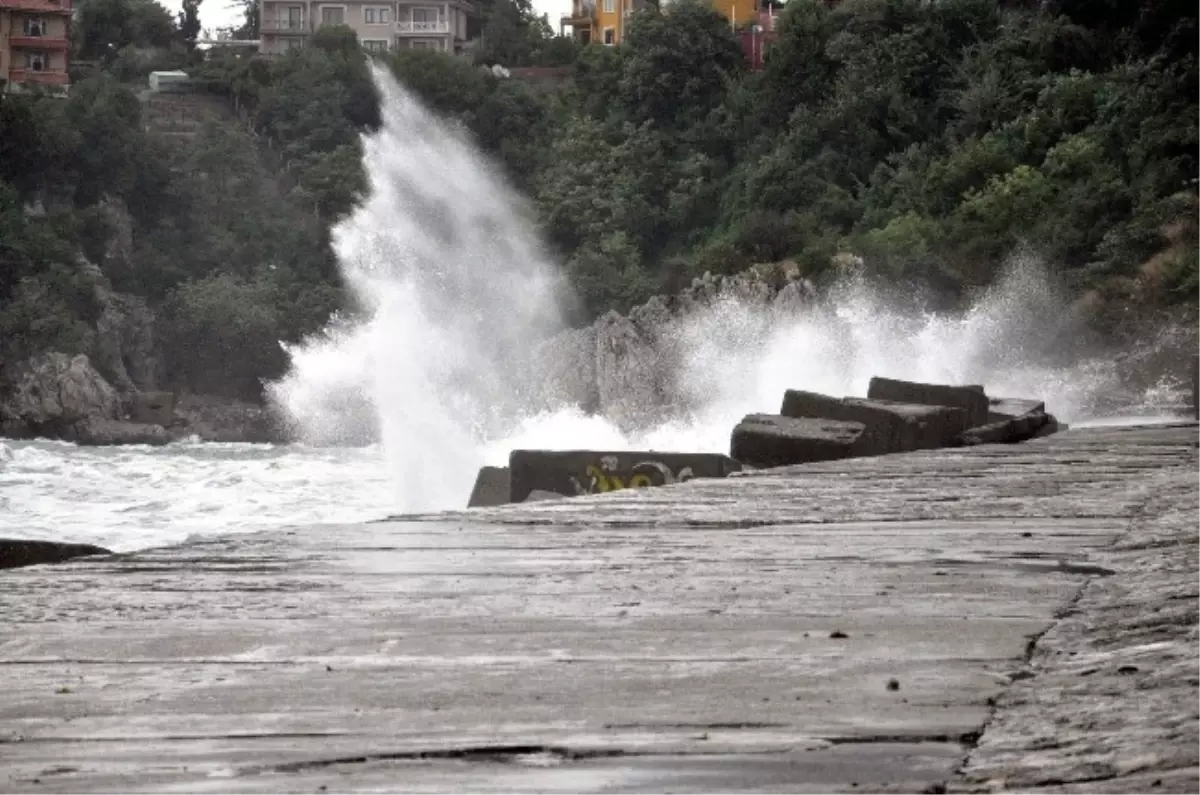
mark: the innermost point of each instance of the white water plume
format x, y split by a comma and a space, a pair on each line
456, 293
455, 289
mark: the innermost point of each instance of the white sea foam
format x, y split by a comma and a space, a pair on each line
453, 293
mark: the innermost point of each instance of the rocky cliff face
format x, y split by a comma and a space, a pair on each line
50, 393
123, 347
626, 367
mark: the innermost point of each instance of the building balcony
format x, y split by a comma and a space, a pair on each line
577, 21
19, 42
44, 77
413, 28
285, 27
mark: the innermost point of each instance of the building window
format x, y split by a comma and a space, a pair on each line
375, 45
426, 44
610, 6
426, 16
610, 37
333, 16
35, 26
377, 15
294, 19
37, 61
291, 44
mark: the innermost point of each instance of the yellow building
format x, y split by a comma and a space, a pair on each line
603, 21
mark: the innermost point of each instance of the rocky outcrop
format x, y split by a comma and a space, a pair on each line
98, 432
49, 394
18, 552
123, 347
58, 396
625, 367
217, 419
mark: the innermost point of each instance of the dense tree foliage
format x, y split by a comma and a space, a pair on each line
931, 139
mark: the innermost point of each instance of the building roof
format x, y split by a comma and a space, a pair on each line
37, 6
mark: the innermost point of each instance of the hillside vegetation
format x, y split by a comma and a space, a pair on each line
931, 139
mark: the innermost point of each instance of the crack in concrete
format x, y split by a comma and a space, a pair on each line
1137, 514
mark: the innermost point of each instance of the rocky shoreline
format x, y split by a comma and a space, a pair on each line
57, 396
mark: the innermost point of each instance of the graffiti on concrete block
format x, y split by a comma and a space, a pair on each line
606, 476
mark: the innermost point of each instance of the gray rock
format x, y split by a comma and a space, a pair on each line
629, 372
491, 488
49, 393
565, 369
890, 427
218, 419
971, 399
18, 552
577, 472
153, 408
100, 432
765, 440
124, 346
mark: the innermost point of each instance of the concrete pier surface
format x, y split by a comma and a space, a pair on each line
996, 618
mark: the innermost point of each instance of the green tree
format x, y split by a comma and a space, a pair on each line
189, 22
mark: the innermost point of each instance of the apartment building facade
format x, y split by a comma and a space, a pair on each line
380, 26
34, 48
604, 21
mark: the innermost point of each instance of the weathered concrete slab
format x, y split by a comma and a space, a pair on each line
767, 440
491, 488
1113, 686
577, 472
889, 427
737, 634
19, 552
970, 398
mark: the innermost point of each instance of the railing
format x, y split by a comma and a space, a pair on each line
284, 26
49, 77
38, 42
440, 26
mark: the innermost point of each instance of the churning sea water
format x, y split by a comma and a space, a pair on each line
453, 287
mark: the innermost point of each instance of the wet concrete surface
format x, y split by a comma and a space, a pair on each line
1000, 617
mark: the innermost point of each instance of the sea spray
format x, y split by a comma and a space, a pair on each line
454, 292
455, 296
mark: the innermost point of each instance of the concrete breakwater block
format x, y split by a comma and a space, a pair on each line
971, 398
766, 440
1008, 431
891, 427
18, 552
491, 488
578, 472
1009, 408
